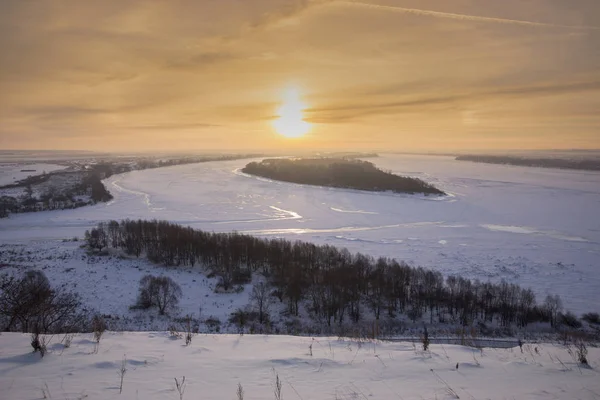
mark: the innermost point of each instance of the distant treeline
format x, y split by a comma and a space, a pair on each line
582, 164
113, 167
347, 155
334, 284
338, 172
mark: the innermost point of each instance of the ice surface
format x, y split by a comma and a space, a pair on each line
536, 227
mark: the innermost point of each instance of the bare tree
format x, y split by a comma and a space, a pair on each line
158, 291
29, 303
261, 298
97, 238
22, 299
553, 306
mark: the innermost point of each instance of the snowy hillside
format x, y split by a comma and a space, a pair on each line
109, 284
214, 365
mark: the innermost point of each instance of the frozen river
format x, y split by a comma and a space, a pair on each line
535, 227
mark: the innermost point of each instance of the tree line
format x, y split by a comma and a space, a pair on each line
338, 172
334, 284
580, 164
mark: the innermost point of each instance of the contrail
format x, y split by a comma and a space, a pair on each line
463, 17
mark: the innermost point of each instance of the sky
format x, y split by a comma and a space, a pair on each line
406, 75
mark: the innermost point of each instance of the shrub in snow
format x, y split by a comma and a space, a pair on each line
39, 342
277, 387
213, 323
121, 372
174, 332
569, 319
240, 392
96, 238
36, 344
68, 339
180, 386
592, 318
241, 276
46, 391
414, 313
249, 319
98, 327
223, 287
187, 325
582, 352
161, 292
425, 340
239, 318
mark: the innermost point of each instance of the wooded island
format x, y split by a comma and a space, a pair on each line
339, 173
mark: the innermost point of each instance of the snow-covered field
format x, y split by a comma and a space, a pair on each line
214, 365
535, 227
13, 172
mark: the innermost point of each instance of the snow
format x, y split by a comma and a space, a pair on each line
536, 227
213, 365
11, 173
109, 284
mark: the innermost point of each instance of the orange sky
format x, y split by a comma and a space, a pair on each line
377, 74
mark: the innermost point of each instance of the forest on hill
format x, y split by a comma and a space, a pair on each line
339, 173
331, 284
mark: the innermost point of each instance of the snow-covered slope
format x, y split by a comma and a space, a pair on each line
213, 365
108, 284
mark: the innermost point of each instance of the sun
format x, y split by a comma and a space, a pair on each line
290, 120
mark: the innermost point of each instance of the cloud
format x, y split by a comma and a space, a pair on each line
296, 9
172, 126
461, 17
353, 111
286, 12
283, 13
200, 60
